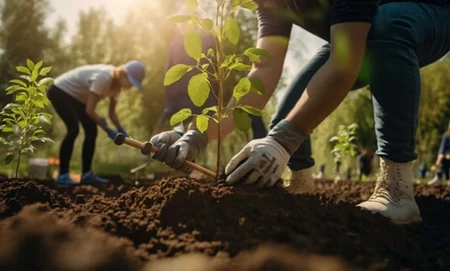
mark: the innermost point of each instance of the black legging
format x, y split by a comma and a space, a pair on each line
71, 112
445, 169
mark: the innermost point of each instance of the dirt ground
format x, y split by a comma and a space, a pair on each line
179, 224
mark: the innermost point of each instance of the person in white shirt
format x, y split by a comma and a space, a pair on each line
74, 96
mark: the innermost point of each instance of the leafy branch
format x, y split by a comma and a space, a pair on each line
216, 66
22, 120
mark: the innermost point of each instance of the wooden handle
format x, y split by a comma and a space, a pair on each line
147, 148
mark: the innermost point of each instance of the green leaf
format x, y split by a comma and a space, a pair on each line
192, 4
249, 4
239, 66
30, 64
257, 85
232, 31
198, 89
38, 132
207, 24
205, 66
18, 82
241, 120
14, 88
193, 44
241, 88
210, 52
45, 71
175, 73
38, 65
16, 129
45, 81
46, 139
255, 54
334, 138
251, 110
34, 75
7, 129
202, 123
208, 109
180, 116
26, 77
44, 119
229, 59
23, 69
9, 157
21, 97
179, 18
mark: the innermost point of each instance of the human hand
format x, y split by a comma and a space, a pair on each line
174, 149
262, 160
111, 133
122, 131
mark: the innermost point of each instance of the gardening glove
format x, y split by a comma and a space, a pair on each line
262, 161
122, 131
175, 149
111, 133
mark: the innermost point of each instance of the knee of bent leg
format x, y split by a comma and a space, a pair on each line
91, 133
72, 132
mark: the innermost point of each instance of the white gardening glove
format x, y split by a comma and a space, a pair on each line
175, 149
264, 160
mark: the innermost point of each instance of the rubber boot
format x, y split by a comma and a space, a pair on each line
393, 196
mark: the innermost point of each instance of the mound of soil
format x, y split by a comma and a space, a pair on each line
218, 227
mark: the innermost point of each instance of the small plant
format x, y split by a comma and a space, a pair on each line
217, 66
344, 142
23, 119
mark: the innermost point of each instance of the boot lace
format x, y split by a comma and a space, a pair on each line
389, 189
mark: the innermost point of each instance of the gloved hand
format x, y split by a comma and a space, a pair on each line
122, 131
175, 149
111, 133
265, 159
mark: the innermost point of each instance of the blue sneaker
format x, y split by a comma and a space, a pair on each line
64, 179
90, 178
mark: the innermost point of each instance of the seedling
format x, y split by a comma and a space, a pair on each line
344, 142
22, 120
216, 66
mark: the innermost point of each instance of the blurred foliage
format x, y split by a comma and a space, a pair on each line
143, 34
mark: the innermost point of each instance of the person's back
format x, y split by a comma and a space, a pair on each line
78, 82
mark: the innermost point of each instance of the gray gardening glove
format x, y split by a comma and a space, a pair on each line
262, 161
175, 149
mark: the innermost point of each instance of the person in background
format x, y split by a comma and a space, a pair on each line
442, 163
176, 96
364, 163
74, 96
378, 43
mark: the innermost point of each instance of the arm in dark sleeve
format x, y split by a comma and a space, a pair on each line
270, 19
442, 146
344, 11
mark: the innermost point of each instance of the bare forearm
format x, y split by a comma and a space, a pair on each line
96, 118
439, 159
115, 120
326, 90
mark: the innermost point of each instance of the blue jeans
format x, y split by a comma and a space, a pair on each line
404, 37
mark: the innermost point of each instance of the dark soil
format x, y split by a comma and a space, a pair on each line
179, 224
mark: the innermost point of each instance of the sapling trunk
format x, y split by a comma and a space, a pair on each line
18, 163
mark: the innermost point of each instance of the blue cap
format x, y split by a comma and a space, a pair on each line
135, 73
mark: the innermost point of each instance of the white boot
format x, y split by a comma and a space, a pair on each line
393, 196
434, 181
300, 182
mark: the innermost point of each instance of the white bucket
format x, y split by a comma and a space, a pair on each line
38, 167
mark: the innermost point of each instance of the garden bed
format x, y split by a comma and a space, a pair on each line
180, 224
